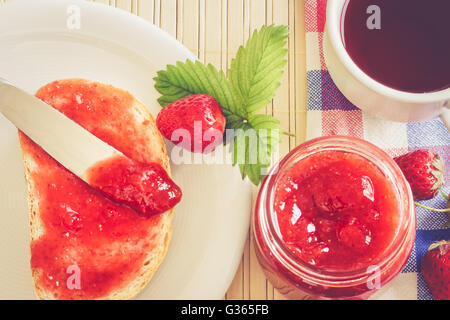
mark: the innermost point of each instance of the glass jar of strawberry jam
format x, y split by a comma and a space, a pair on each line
335, 219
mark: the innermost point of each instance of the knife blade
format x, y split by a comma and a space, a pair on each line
66, 141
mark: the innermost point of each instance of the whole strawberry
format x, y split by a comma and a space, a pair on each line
424, 171
436, 269
200, 119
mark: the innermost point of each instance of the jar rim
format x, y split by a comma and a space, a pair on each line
381, 160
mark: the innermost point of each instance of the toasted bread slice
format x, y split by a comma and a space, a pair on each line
113, 264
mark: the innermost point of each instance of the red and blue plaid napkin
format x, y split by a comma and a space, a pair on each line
330, 113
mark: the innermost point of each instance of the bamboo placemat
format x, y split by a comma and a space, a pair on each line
214, 30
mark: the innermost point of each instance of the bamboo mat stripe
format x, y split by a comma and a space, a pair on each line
213, 30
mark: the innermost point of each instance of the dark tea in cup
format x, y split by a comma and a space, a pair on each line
403, 44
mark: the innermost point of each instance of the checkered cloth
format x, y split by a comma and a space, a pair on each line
330, 113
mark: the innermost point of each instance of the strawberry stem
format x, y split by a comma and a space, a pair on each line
289, 134
432, 209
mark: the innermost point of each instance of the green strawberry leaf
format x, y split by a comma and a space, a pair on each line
254, 144
256, 71
254, 77
188, 78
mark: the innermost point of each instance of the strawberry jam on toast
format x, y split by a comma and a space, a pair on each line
83, 245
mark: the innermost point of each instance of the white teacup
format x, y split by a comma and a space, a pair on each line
368, 94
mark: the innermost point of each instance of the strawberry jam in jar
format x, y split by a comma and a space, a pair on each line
335, 219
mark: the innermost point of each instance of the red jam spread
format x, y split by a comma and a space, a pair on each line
147, 188
83, 230
336, 211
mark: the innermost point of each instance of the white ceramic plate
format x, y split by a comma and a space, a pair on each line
36, 46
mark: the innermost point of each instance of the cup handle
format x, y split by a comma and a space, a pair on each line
445, 114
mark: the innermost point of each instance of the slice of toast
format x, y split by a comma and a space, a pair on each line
117, 259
